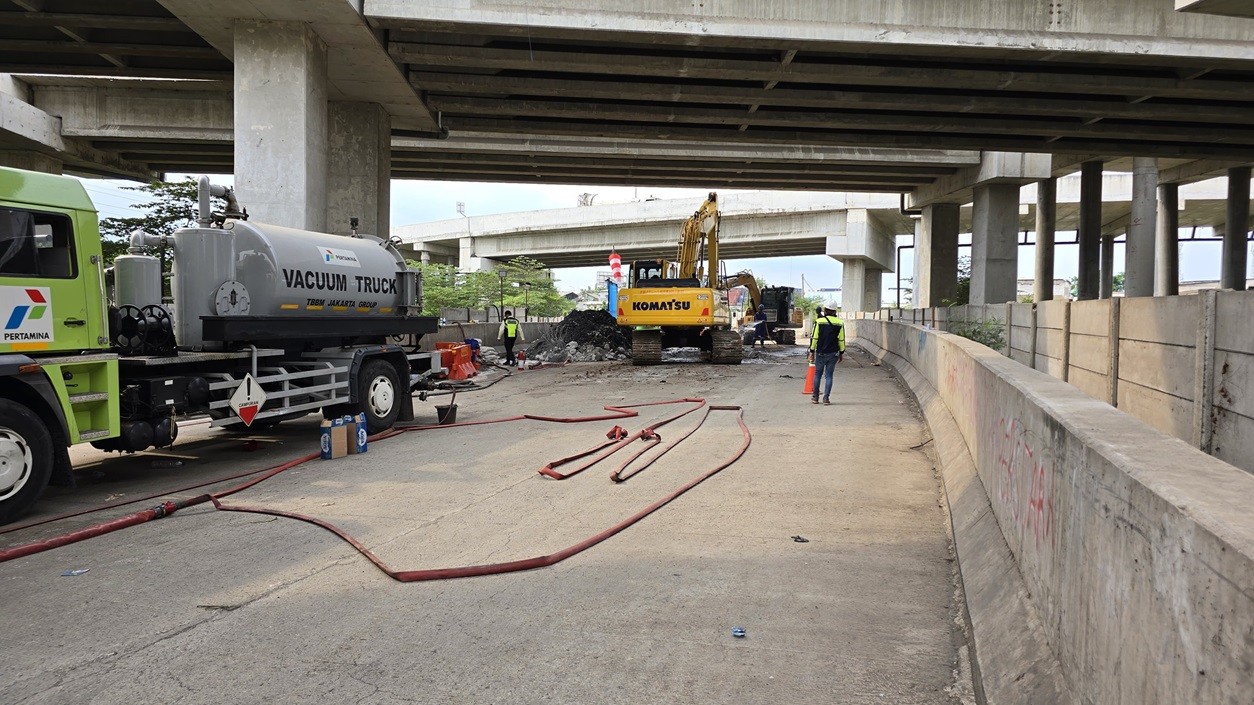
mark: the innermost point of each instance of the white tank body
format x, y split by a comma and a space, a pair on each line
137, 280
253, 269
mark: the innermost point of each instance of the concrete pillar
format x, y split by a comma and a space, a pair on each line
936, 255
30, 161
1167, 242
1142, 229
1090, 231
281, 123
861, 284
1046, 219
424, 257
1106, 286
359, 167
995, 244
1236, 247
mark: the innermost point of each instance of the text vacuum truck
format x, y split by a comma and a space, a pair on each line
266, 323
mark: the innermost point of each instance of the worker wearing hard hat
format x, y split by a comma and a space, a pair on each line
759, 325
827, 347
509, 333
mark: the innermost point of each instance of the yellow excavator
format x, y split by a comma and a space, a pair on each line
682, 303
781, 316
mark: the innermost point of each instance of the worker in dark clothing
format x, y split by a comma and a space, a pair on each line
759, 325
827, 347
509, 333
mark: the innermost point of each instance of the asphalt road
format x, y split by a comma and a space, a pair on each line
217, 607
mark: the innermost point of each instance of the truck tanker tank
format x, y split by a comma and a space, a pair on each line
252, 269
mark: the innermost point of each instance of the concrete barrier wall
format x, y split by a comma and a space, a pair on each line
487, 332
1136, 549
1182, 364
1229, 379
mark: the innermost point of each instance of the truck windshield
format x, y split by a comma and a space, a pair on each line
35, 244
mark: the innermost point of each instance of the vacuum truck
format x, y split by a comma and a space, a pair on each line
264, 323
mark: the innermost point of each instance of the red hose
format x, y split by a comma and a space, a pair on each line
618, 440
414, 576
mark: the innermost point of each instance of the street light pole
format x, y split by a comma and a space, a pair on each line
527, 299
501, 311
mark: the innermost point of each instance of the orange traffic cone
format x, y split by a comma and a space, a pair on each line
809, 388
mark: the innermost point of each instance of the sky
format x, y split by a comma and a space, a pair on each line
424, 201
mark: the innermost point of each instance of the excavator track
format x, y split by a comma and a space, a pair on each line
646, 347
728, 349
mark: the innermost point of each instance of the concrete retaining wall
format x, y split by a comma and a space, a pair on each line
1182, 364
1136, 549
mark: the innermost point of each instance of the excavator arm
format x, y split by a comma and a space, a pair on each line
747, 280
693, 235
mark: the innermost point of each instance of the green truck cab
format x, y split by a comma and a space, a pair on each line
58, 380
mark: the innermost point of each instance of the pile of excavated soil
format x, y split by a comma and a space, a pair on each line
583, 336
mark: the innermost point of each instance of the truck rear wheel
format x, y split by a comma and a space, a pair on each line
378, 394
25, 459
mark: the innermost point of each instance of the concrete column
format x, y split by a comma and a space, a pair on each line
1046, 219
995, 244
281, 123
936, 255
1090, 231
359, 167
424, 257
861, 284
1106, 286
1142, 229
30, 161
1167, 242
1236, 247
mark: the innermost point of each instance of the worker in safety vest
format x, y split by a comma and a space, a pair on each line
827, 347
509, 333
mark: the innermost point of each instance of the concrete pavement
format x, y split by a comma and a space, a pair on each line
222, 607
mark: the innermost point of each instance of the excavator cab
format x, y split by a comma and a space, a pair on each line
657, 273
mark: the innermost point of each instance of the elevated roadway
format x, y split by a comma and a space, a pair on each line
754, 224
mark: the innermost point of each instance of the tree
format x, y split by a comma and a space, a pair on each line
445, 287
807, 303
172, 206
1116, 285
962, 295
529, 283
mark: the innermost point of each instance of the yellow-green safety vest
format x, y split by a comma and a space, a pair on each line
511, 327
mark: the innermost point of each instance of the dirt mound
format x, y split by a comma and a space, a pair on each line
583, 336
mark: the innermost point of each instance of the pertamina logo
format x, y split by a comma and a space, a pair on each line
26, 314
342, 258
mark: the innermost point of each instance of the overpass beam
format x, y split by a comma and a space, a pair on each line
1090, 231
994, 243
936, 255
1236, 246
31, 161
359, 167
1167, 242
1046, 220
281, 123
1142, 229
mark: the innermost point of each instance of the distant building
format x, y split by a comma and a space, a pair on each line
1062, 288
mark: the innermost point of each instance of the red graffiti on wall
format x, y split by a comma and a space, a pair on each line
1018, 463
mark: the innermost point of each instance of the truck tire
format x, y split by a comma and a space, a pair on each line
26, 459
379, 394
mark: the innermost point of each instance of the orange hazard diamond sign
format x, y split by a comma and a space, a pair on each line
248, 399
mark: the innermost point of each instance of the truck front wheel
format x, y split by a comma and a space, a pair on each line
26, 459
378, 394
